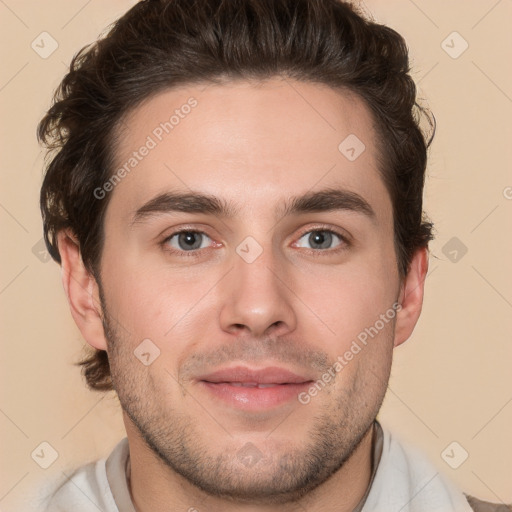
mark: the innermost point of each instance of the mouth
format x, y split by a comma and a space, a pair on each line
251, 384
251, 390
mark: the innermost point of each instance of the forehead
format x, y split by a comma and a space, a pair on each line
249, 143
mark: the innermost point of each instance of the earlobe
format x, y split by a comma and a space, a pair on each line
411, 296
81, 290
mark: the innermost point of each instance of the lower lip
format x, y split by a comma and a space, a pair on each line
254, 398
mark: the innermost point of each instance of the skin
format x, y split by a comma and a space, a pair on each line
296, 305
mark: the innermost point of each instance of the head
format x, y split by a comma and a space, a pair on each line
239, 184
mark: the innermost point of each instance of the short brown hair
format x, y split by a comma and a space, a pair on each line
159, 44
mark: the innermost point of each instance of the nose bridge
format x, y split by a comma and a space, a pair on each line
257, 299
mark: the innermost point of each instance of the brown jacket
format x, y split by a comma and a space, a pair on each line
484, 506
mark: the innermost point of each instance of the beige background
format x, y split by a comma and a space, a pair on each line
450, 382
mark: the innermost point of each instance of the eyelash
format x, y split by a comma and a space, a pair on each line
345, 243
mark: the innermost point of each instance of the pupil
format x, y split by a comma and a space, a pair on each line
320, 238
190, 240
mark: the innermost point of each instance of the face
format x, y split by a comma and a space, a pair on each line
245, 305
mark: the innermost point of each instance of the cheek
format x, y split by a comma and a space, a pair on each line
167, 306
348, 299
364, 345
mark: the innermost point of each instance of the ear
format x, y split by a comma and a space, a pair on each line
81, 290
411, 296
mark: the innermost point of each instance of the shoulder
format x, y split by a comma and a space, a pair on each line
405, 467
485, 506
84, 490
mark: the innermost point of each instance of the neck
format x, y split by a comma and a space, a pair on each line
154, 487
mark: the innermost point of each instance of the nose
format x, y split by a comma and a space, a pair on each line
257, 298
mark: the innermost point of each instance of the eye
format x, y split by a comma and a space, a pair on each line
320, 239
187, 240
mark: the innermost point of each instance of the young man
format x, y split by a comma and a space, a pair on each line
235, 198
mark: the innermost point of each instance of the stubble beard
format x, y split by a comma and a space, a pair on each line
284, 474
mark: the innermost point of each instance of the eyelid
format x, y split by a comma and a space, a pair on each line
170, 232
321, 227
165, 242
345, 238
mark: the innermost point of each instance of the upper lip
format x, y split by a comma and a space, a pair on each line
268, 375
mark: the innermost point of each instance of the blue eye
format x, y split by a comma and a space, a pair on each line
320, 239
188, 240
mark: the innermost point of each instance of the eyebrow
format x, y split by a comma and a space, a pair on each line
330, 199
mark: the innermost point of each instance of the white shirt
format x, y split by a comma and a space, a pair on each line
402, 480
